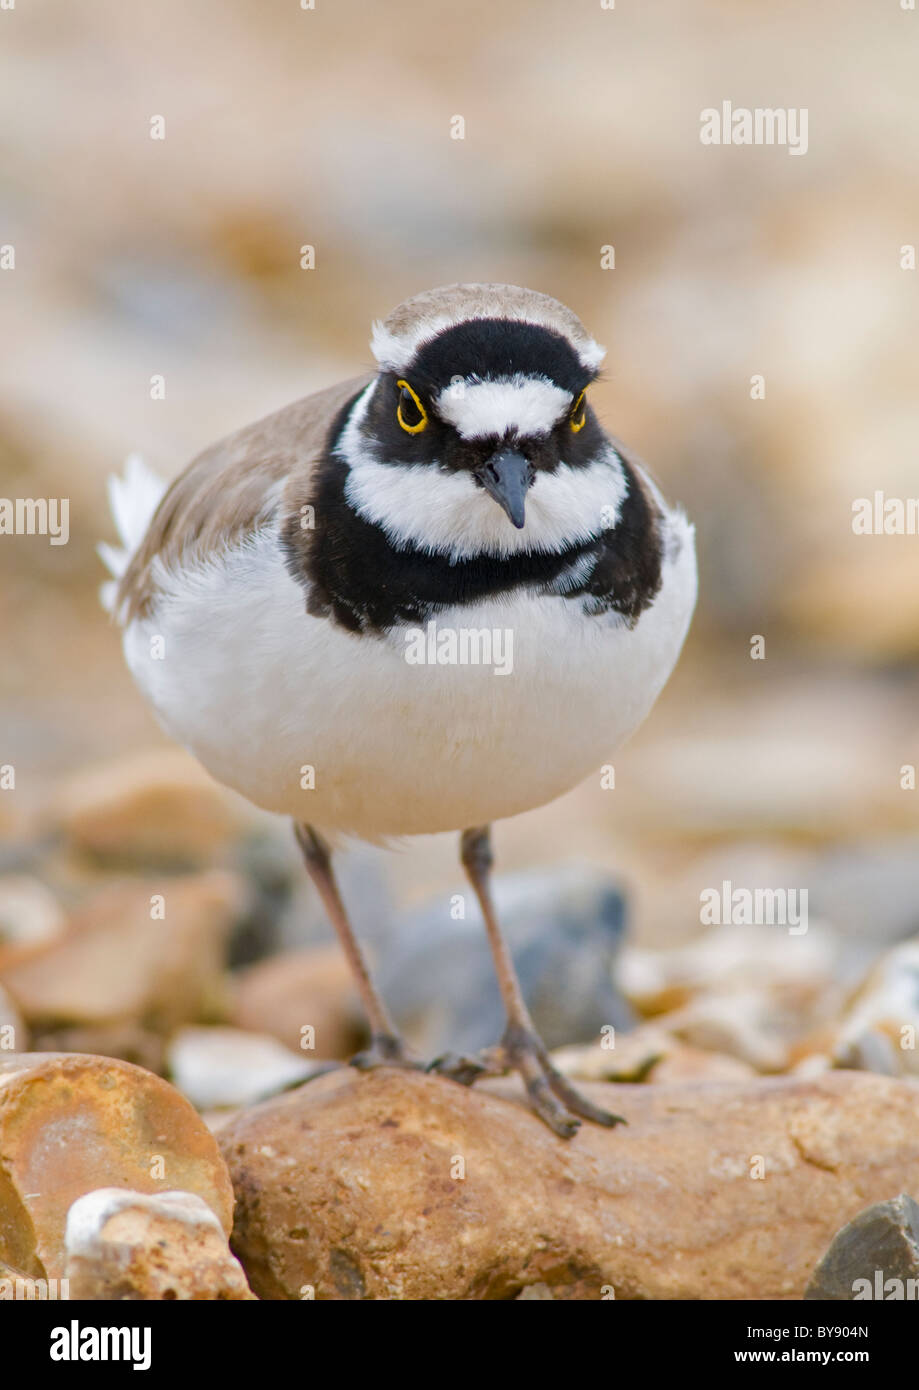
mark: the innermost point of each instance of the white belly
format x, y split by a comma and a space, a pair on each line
345, 733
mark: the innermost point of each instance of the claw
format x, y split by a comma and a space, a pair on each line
456, 1066
555, 1100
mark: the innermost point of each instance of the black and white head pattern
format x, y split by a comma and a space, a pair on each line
407, 521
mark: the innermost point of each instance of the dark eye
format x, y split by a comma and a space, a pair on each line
578, 416
410, 413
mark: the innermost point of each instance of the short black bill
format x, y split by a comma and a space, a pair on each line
506, 477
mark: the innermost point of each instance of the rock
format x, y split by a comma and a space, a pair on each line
363, 874
128, 1041
564, 926
223, 1067
870, 892
728, 958
157, 808
874, 1256
401, 1185
72, 1124
13, 1035
29, 911
272, 867
286, 912
766, 775
869, 1051
690, 1064
879, 1030
747, 1025
650, 1054
8, 1280
309, 988
129, 1245
119, 962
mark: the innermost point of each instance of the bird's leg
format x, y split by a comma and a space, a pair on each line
552, 1095
387, 1048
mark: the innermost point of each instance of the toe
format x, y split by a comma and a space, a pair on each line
579, 1103
456, 1067
550, 1109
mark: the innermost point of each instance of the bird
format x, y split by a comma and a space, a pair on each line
424, 599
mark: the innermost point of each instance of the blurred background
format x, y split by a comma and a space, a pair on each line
180, 257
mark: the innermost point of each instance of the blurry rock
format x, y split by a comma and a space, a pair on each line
564, 926
690, 1064
648, 1054
271, 867
29, 912
869, 1051
870, 892
120, 961
221, 1067
844, 601
310, 988
800, 969
71, 1124
13, 1035
873, 1256
632, 1058
217, 1119
286, 912
363, 874
792, 782
880, 1028
128, 1245
125, 1040
812, 1064
535, 1293
746, 1025
150, 809
418, 1188
9, 1277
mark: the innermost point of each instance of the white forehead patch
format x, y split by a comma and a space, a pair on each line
529, 405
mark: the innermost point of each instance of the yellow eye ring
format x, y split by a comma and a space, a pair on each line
577, 424
422, 423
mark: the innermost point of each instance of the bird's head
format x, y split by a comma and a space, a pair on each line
477, 436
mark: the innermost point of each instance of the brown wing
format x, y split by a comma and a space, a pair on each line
230, 489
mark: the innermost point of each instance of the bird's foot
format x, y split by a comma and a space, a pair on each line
559, 1104
386, 1050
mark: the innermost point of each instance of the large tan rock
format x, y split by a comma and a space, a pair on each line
308, 988
403, 1185
128, 1245
156, 807
140, 951
72, 1124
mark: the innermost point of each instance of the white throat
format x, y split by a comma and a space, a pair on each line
448, 514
